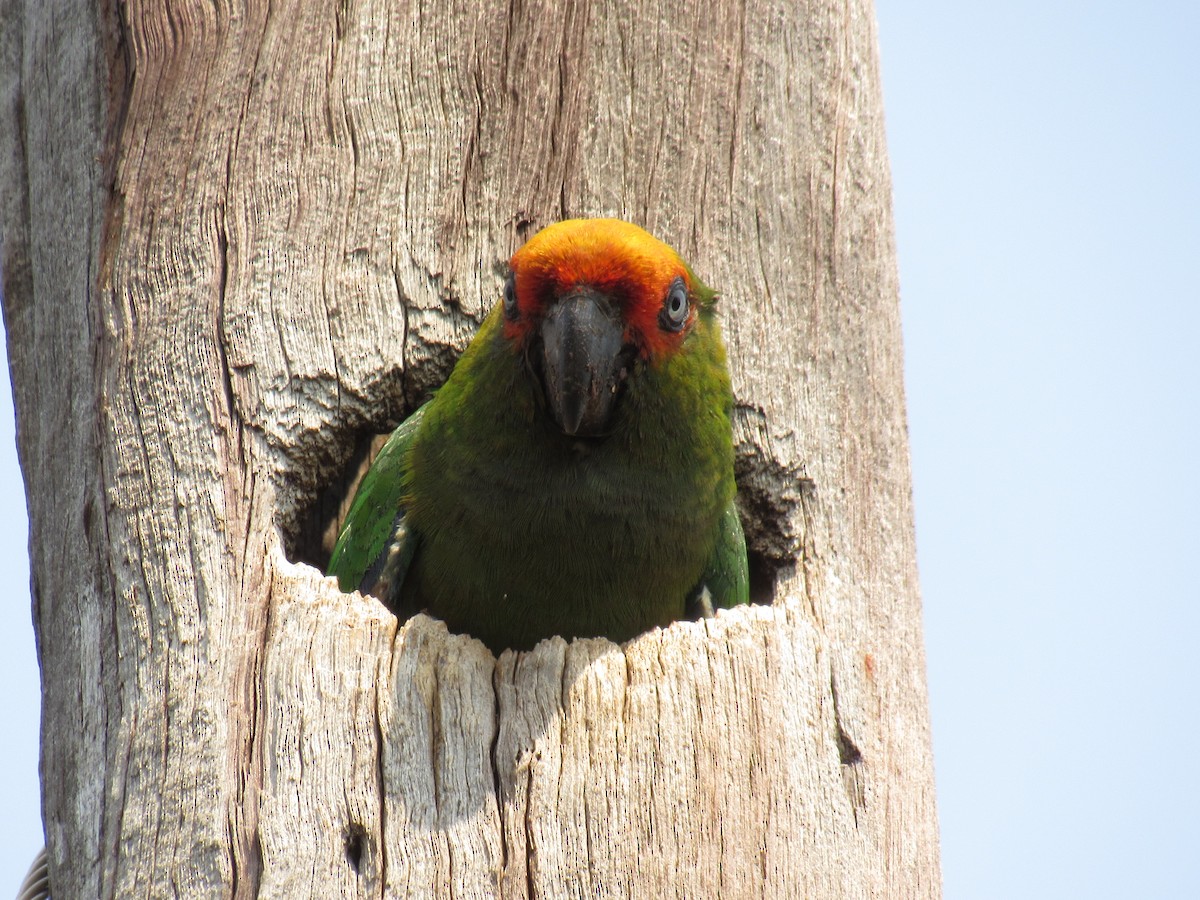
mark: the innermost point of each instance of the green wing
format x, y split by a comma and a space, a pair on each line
726, 580
376, 546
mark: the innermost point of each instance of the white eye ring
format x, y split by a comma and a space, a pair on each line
675, 308
510, 296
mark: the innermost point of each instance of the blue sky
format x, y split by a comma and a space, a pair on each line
1045, 160
1048, 226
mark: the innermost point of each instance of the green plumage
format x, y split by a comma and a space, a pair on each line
483, 512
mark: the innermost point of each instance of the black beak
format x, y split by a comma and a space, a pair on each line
584, 361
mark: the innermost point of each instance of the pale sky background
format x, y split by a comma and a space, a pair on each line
1045, 159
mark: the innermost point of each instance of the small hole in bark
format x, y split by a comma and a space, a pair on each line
355, 841
848, 752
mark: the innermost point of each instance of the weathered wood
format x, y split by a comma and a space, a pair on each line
236, 237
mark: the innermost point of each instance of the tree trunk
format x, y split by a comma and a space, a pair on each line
238, 237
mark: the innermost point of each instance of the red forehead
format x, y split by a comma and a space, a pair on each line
630, 264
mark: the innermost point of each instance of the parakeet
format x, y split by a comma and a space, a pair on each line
574, 476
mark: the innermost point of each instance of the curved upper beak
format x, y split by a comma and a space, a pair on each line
583, 360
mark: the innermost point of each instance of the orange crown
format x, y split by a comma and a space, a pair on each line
626, 262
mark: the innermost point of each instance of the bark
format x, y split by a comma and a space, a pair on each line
239, 237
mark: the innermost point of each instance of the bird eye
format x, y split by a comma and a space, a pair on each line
510, 296
675, 308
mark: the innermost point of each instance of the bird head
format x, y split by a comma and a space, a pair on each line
589, 300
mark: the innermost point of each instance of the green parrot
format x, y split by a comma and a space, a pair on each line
574, 476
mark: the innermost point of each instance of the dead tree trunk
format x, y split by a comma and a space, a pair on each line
238, 236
